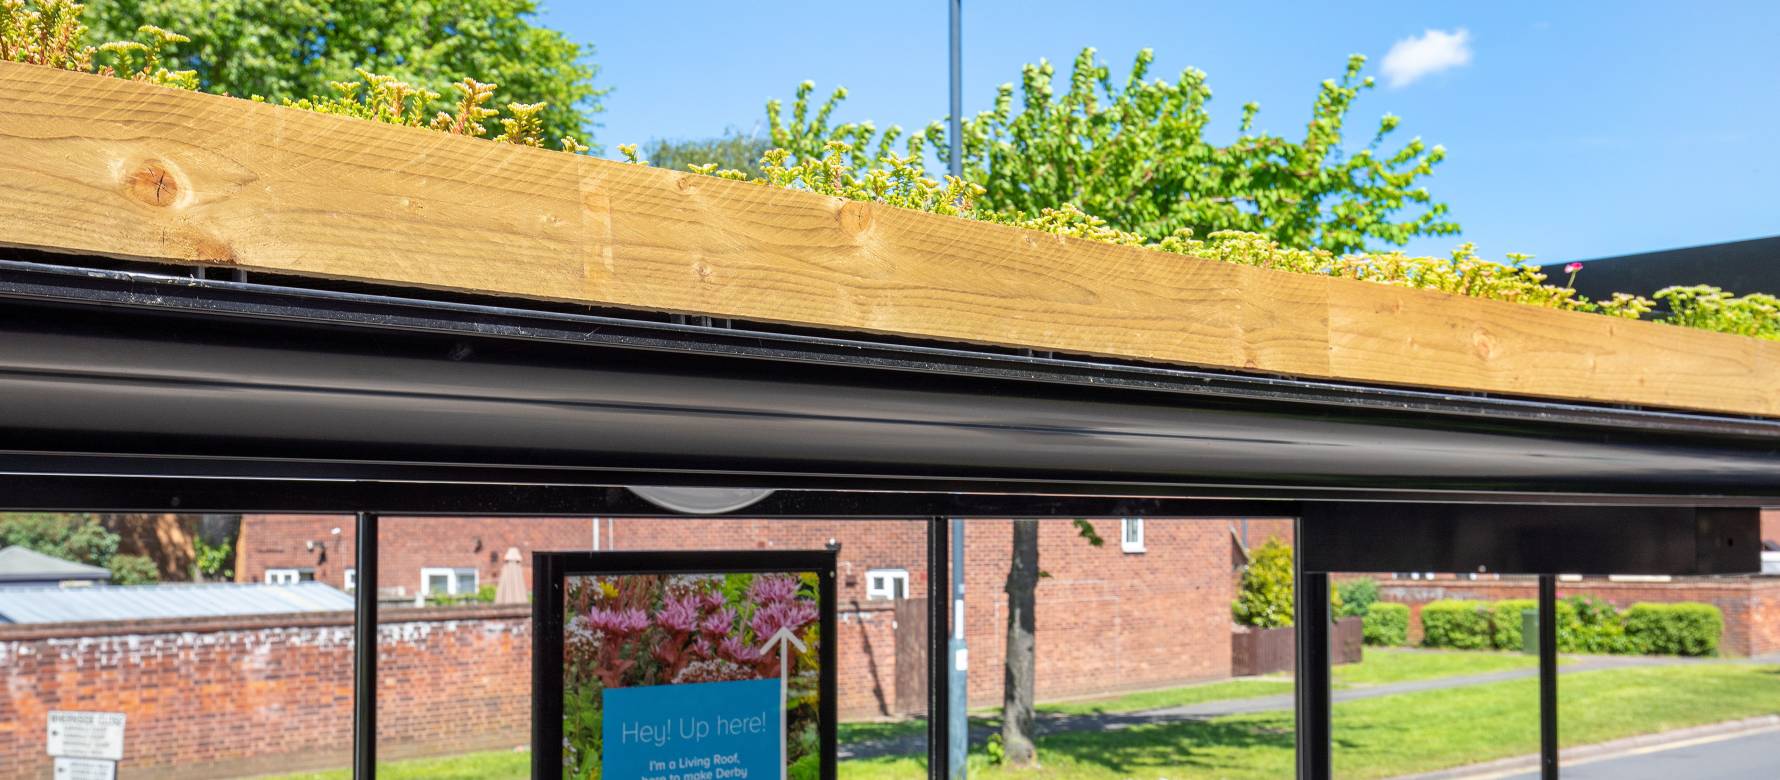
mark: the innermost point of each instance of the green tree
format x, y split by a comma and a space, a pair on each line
75, 537
292, 49
732, 151
1136, 156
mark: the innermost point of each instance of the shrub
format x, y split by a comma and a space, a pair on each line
1505, 617
1592, 626
1265, 600
1357, 596
133, 570
1684, 628
1461, 625
1387, 624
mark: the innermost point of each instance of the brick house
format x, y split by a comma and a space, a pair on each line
419, 555
1151, 607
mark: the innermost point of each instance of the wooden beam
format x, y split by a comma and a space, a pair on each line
108, 167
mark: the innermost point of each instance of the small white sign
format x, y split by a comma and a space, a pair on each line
87, 735
85, 769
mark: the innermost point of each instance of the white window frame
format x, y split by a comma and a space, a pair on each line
451, 575
287, 576
349, 580
1128, 541
891, 578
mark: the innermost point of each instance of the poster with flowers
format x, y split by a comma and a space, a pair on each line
681, 647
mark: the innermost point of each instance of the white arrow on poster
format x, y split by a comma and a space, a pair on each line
85, 769
785, 641
86, 734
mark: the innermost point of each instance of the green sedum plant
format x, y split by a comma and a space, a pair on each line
1133, 137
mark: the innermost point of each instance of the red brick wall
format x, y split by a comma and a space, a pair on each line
226, 697
405, 545
1751, 605
1770, 525
1107, 620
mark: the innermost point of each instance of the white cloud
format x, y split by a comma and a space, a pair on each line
1431, 52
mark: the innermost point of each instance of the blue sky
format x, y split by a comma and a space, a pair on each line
1573, 130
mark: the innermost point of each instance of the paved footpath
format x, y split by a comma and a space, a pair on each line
1054, 723
1749, 757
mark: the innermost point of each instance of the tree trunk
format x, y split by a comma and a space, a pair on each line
1022, 649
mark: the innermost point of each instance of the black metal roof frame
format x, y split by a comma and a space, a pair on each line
127, 389
126, 374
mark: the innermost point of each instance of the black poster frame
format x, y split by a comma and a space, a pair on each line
550, 568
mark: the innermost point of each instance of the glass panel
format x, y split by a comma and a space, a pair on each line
438, 583
466, 582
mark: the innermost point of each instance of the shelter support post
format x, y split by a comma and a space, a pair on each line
1311, 617
1548, 678
364, 652
938, 659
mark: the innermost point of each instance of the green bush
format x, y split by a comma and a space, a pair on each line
1591, 626
1505, 631
1461, 625
133, 570
1265, 600
1683, 628
1356, 596
1387, 624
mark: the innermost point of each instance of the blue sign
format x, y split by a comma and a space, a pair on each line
700, 731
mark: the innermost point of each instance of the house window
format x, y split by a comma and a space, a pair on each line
351, 580
887, 584
1131, 534
289, 576
447, 582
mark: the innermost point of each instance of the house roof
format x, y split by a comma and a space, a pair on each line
138, 602
1739, 266
21, 564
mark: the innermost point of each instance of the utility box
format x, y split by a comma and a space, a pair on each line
1529, 631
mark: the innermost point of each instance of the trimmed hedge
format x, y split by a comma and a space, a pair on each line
1585, 625
1386, 624
1683, 628
1461, 625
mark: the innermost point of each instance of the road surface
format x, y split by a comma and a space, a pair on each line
1748, 757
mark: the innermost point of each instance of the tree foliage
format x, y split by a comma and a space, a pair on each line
291, 50
730, 151
1136, 155
75, 537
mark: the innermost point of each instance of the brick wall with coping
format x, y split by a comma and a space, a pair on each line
1751, 605
227, 697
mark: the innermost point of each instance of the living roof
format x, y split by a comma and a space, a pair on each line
129, 170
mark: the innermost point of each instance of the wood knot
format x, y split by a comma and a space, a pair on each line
153, 184
1483, 342
854, 217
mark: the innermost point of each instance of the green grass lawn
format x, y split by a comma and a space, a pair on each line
1393, 735
1377, 737
493, 765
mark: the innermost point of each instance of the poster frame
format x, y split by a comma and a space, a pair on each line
549, 570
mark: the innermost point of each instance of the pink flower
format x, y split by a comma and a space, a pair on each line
718, 623
734, 649
772, 589
679, 615
617, 623
711, 600
1572, 268
793, 615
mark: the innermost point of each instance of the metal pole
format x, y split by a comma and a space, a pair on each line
938, 744
957, 719
955, 134
1548, 677
1311, 618
364, 652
